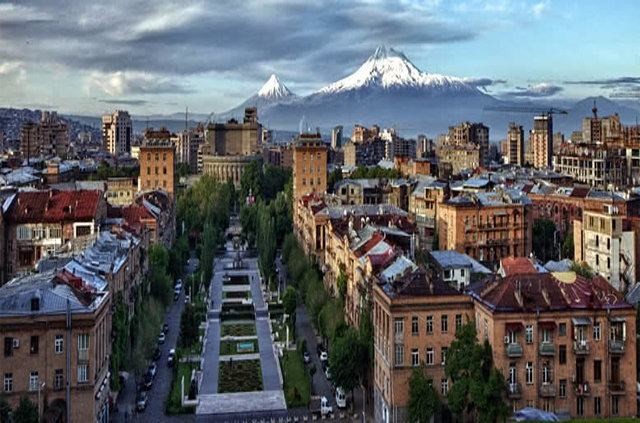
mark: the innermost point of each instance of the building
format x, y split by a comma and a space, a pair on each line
42, 352
48, 138
336, 137
595, 165
121, 191
600, 239
415, 317
309, 165
468, 133
424, 201
456, 269
117, 132
400, 147
365, 153
486, 225
541, 141
39, 223
460, 157
361, 134
157, 166
515, 143
2, 249
560, 342
602, 130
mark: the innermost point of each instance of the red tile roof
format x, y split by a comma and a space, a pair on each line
375, 239
135, 213
54, 206
517, 266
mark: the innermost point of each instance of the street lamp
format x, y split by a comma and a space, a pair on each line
40, 387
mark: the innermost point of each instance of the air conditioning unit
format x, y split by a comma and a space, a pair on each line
16, 343
506, 340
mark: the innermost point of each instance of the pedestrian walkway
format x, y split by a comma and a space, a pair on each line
241, 402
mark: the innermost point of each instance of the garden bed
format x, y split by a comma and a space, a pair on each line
237, 308
174, 404
244, 315
296, 379
231, 347
239, 329
240, 376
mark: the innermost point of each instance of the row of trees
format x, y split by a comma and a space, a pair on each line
25, 412
546, 243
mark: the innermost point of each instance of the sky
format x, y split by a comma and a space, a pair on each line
84, 57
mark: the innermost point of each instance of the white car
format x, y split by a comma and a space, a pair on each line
341, 398
324, 356
161, 338
327, 373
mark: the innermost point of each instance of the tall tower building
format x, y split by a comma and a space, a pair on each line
471, 133
116, 132
309, 165
49, 137
157, 166
336, 137
541, 139
515, 143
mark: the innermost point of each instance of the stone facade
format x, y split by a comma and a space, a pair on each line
157, 167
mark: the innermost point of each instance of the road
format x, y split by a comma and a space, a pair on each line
162, 383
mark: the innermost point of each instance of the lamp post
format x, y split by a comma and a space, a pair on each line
40, 387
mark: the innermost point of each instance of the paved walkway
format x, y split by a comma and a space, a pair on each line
241, 402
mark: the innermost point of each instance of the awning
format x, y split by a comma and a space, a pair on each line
547, 325
581, 321
513, 326
617, 319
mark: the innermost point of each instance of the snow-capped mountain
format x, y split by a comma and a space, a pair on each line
390, 69
274, 89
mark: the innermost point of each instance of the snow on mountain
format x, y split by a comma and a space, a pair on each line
391, 69
274, 89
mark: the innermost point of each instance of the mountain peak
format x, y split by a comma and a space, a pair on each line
383, 52
274, 88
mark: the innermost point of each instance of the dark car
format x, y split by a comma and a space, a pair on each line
165, 328
176, 295
141, 400
148, 381
306, 357
171, 358
157, 354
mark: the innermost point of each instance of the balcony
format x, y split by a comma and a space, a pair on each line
547, 390
514, 391
547, 349
616, 346
514, 350
398, 337
617, 388
582, 389
83, 355
581, 347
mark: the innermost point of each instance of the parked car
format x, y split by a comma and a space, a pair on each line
152, 370
156, 354
165, 328
319, 406
161, 338
171, 358
324, 356
178, 286
306, 357
341, 398
327, 373
141, 400
148, 381
176, 295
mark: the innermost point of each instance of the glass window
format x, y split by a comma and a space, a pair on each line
429, 324
562, 388
399, 355
414, 326
34, 346
415, 358
33, 381
8, 382
83, 373
597, 407
444, 323
58, 379
597, 371
580, 406
83, 341
458, 321
430, 357
443, 355
562, 354
444, 386
399, 326
596, 331
615, 405
562, 329
529, 372
528, 334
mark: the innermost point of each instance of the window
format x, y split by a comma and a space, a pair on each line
399, 355
596, 331
58, 380
415, 358
580, 406
148, 170
429, 325
562, 354
24, 233
83, 230
546, 335
562, 329
447, 274
597, 260
458, 321
443, 355
608, 244
597, 408
33, 381
399, 326
156, 170
8, 382
164, 170
597, 371
528, 334
444, 323
444, 386
35, 340
83, 373
8, 346
608, 263
430, 357
83, 341
562, 388
529, 373
414, 326
55, 233
615, 406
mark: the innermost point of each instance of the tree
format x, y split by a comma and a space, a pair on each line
251, 179
189, 326
478, 388
341, 282
544, 240
423, 398
290, 301
347, 360
27, 411
582, 269
158, 274
5, 409
567, 246
334, 177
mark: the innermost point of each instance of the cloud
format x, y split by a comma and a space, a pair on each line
626, 92
606, 82
484, 83
123, 102
13, 71
127, 83
540, 8
543, 89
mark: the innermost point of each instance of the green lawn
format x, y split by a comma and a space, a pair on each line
239, 329
173, 402
296, 379
229, 347
240, 376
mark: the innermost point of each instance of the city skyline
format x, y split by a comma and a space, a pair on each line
88, 58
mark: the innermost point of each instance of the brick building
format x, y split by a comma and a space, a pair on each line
49, 137
157, 167
309, 165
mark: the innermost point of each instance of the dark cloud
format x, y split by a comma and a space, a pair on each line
484, 83
623, 80
302, 41
535, 91
124, 102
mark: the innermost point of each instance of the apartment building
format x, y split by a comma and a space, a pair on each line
49, 137
486, 225
121, 191
515, 145
459, 157
157, 167
309, 165
467, 134
601, 240
595, 165
415, 316
117, 132
424, 201
541, 142
560, 342
42, 352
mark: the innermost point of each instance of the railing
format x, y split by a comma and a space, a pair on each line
547, 348
617, 387
582, 389
547, 390
514, 350
616, 346
514, 390
581, 347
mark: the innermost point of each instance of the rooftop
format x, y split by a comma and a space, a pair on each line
450, 259
54, 206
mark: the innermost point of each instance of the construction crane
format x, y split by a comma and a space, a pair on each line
543, 111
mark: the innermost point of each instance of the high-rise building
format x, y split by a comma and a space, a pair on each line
515, 142
602, 130
49, 137
157, 166
117, 132
541, 139
336, 137
309, 165
471, 133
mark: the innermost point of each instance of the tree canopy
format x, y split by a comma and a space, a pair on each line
544, 240
423, 398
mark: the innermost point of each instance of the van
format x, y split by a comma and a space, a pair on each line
341, 398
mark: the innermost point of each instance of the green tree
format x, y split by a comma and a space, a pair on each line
423, 398
478, 388
27, 411
161, 283
266, 241
334, 177
189, 325
567, 246
182, 170
5, 409
251, 180
543, 240
341, 282
347, 360
582, 269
